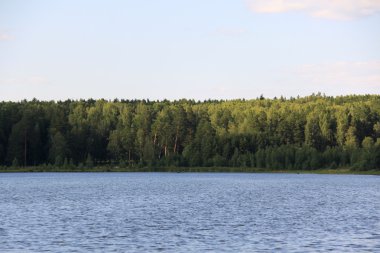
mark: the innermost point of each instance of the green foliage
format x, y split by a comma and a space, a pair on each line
58, 147
15, 163
58, 161
304, 133
89, 161
351, 138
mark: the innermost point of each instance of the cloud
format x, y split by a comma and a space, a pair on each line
332, 78
341, 74
5, 36
329, 9
230, 31
34, 80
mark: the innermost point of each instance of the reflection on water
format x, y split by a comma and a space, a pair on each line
140, 212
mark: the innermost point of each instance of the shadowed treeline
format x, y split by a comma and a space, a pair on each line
285, 134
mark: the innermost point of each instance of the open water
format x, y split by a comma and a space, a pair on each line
185, 212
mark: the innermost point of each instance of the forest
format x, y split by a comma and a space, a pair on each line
302, 133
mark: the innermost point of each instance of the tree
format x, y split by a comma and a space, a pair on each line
296, 133
313, 134
89, 161
351, 139
27, 138
79, 131
163, 132
142, 121
205, 140
376, 130
58, 147
121, 144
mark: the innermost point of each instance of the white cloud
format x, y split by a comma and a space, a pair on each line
230, 31
5, 36
21, 81
332, 78
37, 80
330, 9
341, 74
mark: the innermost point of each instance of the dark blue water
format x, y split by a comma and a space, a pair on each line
147, 212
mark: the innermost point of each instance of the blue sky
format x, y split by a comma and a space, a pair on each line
200, 49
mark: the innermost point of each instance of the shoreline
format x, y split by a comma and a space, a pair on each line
341, 171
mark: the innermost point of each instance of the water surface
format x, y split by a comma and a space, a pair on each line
180, 212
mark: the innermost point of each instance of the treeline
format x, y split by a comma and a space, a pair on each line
298, 133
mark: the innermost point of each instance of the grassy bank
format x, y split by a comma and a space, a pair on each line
185, 170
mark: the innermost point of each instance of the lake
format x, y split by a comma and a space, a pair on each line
188, 212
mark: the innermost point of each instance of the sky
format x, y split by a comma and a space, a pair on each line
194, 49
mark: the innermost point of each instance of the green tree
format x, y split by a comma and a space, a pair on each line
313, 134
58, 147
142, 121
351, 139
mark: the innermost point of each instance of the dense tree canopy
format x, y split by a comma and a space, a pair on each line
297, 133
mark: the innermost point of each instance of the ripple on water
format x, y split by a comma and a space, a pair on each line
138, 212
